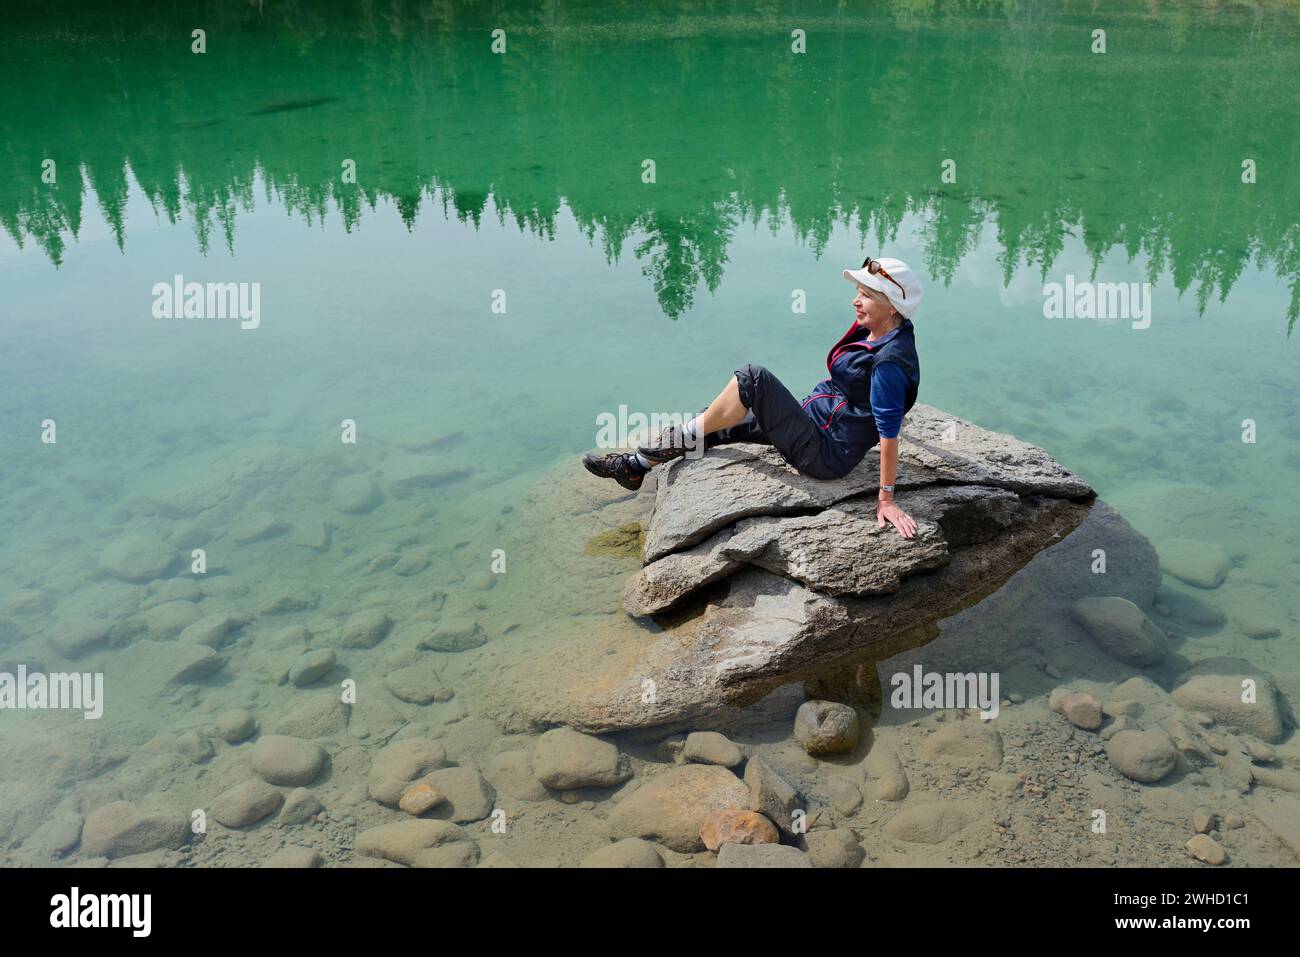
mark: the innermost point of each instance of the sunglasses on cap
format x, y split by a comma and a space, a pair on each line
875, 269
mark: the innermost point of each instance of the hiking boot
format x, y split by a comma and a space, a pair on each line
619, 466
668, 445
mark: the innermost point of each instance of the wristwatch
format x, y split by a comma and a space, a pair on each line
887, 488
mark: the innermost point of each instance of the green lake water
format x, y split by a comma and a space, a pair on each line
480, 173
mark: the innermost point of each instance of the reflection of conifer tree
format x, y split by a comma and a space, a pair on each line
469, 205
679, 251
951, 228
109, 183
45, 212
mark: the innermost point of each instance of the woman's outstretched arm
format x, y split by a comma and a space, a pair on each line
887, 510
888, 389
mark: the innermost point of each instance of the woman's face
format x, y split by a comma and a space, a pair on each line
872, 314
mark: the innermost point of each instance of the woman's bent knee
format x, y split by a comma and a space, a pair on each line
747, 379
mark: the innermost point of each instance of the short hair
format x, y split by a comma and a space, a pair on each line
880, 297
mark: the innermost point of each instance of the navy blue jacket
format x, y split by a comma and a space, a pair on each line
841, 405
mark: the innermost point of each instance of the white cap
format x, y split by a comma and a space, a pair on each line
905, 300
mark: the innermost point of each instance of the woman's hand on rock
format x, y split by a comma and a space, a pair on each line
888, 511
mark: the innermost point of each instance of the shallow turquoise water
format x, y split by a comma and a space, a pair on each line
522, 173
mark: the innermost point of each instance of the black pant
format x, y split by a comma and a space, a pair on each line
776, 418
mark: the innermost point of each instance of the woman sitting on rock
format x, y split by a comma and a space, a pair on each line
874, 376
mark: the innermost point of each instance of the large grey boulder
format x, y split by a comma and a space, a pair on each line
837, 551
701, 496
754, 576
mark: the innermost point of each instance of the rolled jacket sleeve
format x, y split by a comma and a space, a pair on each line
888, 395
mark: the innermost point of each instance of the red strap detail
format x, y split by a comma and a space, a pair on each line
832, 415
833, 354
840, 350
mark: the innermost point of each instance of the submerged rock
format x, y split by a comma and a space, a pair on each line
735, 826
300, 806
1246, 703
931, 823
771, 794
1207, 849
564, 759
1081, 709
235, 725
399, 764
454, 634
1184, 606
355, 495
256, 527
762, 855
294, 856
834, 848
411, 472
673, 807
365, 629
1257, 623
416, 684
310, 533
166, 663
826, 727
632, 852
246, 803
1281, 815
58, 835
72, 639
1144, 756
168, 619
1203, 564
137, 557
886, 778
511, 776
420, 797
419, 843
293, 762
1121, 629
311, 666
211, 630
465, 795
969, 744
121, 829
320, 716
710, 747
